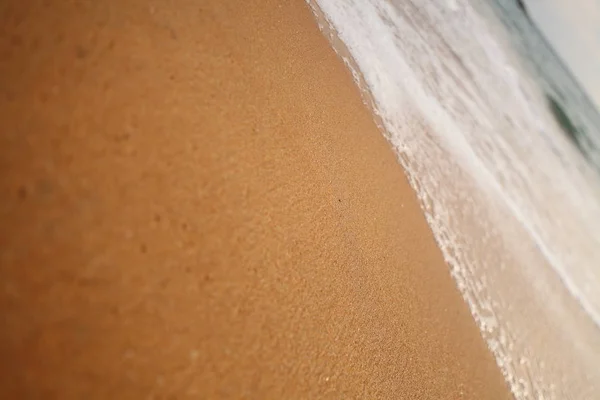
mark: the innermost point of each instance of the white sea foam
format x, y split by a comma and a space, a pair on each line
512, 203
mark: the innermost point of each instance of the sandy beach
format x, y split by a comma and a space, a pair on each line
197, 204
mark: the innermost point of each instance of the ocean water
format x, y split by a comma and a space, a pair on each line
501, 146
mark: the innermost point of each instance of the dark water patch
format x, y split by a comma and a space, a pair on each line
577, 134
523, 7
563, 120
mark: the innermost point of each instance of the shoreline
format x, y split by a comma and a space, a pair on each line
198, 203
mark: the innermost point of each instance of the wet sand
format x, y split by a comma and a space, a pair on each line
196, 204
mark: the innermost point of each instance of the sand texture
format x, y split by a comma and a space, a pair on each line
196, 204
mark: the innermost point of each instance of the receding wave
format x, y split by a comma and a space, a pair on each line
513, 201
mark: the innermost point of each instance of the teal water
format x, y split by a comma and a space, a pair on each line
567, 98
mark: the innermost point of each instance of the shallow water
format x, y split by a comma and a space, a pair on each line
513, 201
551, 75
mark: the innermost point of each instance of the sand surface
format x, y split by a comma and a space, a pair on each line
196, 204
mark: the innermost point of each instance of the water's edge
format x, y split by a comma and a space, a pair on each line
540, 366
